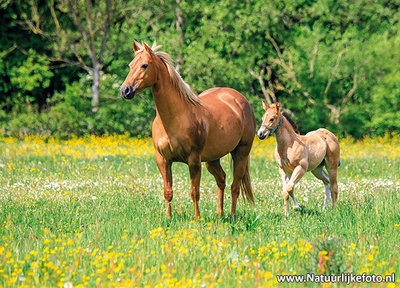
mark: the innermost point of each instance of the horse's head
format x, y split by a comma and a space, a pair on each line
271, 120
142, 73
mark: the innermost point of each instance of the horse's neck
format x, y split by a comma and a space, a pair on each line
170, 106
285, 135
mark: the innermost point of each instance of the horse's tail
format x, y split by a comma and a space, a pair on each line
245, 185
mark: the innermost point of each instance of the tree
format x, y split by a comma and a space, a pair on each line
80, 31
27, 76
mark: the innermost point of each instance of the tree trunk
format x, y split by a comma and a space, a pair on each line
96, 87
181, 36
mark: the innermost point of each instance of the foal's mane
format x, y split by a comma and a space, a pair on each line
290, 120
181, 86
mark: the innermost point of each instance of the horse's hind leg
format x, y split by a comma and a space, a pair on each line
332, 172
165, 170
214, 167
321, 175
240, 157
332, 161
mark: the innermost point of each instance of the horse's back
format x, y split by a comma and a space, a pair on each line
230, 105
228, 97
230, 119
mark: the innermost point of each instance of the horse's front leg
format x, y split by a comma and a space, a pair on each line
285, 180
194, 162
165, 169
298, 172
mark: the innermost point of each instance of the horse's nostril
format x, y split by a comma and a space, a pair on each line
125, 90
261, 134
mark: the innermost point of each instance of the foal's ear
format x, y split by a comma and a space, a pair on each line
278, 105
265, 106
136, 46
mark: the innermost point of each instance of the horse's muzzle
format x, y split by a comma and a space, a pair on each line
261, 134
127, 91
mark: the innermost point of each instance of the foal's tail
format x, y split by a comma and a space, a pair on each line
245, 185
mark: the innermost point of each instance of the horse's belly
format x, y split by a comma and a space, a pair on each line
316, 154
231, 122
217, 149
223, 136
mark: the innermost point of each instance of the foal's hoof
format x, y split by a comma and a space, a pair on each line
297, 208
219, 214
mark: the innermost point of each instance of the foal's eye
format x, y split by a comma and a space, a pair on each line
144, 66
272, 119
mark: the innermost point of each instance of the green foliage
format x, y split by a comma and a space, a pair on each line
34, 73
70, 113
330, 63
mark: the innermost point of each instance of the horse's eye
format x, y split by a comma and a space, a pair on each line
144, 66
272, 119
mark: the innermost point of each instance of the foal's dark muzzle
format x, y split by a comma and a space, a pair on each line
127, 91
261, 134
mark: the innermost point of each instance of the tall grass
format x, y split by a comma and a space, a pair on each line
90, 211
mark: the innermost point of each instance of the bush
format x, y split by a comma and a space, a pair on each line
70, 113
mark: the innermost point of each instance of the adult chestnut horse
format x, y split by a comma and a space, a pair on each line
191, 129
297, 154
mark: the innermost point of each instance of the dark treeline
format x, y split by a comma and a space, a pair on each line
330, 63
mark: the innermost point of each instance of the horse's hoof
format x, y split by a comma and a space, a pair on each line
297, 208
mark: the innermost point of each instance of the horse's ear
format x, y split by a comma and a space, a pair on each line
147, 48
136, 46
278, 105
155, 47
265, 106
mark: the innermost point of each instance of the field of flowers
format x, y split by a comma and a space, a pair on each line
89, 212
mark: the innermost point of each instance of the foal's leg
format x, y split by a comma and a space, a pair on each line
321, 175
194, 162
214, 167
165, 169
285, 180
332, 161
298, 172
332, 172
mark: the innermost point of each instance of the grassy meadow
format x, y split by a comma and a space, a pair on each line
89, 212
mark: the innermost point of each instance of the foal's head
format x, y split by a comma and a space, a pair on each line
143, 71
270, 121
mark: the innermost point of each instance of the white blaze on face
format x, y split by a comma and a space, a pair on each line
262, 129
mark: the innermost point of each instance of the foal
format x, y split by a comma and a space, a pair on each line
297, 154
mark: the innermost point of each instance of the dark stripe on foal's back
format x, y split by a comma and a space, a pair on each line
291, 122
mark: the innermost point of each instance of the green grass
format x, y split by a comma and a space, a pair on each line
101, 221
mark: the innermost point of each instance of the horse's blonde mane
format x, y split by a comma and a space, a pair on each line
181, 86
